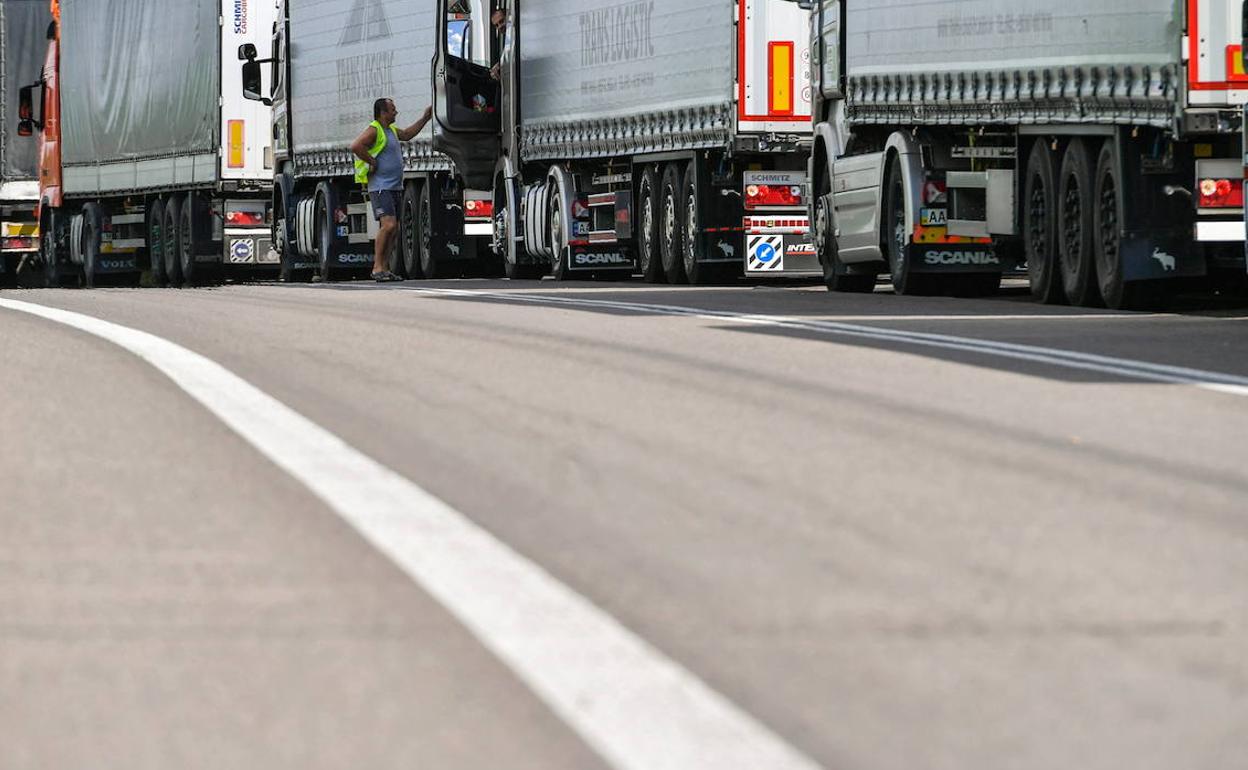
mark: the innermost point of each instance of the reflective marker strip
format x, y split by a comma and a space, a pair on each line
237, 158
780, 78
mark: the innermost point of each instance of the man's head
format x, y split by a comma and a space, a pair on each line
384, 111
498, 19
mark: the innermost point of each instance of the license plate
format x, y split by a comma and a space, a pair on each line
934, 217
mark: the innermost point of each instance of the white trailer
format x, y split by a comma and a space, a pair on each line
329, 61
1094, 143
666, 138
159, 163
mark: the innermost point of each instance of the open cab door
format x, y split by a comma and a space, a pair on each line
466, 96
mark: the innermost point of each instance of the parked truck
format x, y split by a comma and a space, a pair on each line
667, 138
1096, 142
150, 157
330, 61
23, 30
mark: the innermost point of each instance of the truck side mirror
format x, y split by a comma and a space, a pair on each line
27, 124
253, 82
247, 52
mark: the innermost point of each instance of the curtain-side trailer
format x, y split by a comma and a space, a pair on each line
330, 61
667, 138
151, 159
23, 30
1095, 142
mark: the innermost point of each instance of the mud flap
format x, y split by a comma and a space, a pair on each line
1146, 258
961, 258
597, 259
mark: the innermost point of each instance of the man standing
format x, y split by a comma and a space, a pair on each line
379, 165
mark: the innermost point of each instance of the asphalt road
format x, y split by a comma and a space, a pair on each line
899, 533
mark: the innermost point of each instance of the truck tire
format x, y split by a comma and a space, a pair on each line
1076, 227
155, 242
835, 275
896, 227
172, 220
92, 222
1040, 226
431, 268
649, 254
1117, 293
696, 271
48, 249
409, 257
671, 225
555, 214
186, 240
323, 229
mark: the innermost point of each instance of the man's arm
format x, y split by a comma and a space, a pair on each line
409, 133
363, 144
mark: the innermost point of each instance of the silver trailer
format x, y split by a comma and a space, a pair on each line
666, 138
1093, 143
161, 163
329, 61
23, 41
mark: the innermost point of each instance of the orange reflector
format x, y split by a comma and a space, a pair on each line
780, 78
1235, 64
237, 147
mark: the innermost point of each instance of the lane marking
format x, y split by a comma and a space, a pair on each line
637, 708
1228, 384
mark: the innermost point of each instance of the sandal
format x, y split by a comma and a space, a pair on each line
385, 276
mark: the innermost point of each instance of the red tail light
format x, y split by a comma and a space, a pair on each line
762, 195
243, 218
479, 209
1221, 194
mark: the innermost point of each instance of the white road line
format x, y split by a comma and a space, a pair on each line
1123, 367
637, 708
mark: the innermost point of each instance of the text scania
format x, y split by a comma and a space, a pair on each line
240, 17
618, 33
961, 258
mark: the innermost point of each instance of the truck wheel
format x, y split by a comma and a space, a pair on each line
171, 238
1117, 293
1076, 227
409, 235
155, 242
559, 267
430, 266
697, 271
1040, 226
186, 240
47, 249
896, 228
835, 275
323, 229
649, 254
671, 230
92, 220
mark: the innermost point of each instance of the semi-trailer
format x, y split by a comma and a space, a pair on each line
666, 138
150, 157
330, 61
23, 30
1094, 142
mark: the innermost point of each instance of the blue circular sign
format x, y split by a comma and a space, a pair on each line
766, 253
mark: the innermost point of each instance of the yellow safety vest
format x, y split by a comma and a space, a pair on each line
361, 168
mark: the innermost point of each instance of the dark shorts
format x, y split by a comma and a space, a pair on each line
385, 203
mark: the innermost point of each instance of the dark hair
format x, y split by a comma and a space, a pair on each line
378, 106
